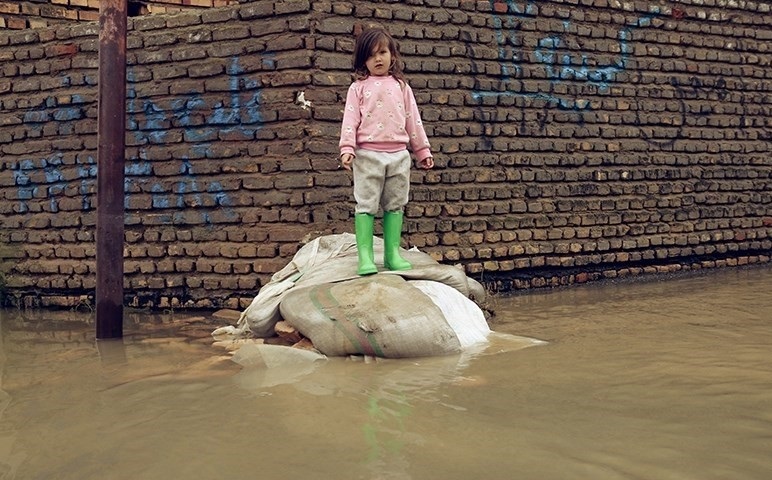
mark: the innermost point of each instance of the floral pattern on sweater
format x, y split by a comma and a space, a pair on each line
381, 114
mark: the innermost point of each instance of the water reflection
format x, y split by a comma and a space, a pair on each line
385, 393
661, 379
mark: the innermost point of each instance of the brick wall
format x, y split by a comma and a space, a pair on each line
23, 14
574, 140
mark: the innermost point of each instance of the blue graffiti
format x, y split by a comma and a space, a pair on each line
53, 185
150, 124
557, 67
55, 182
199, 121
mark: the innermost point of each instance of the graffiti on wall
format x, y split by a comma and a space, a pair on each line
555, 55
572, 80
197, 120
54, 182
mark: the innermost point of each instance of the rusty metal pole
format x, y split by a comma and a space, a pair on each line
110, 175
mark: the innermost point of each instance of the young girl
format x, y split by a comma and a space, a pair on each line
380, 120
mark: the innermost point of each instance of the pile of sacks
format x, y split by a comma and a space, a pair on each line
426, 311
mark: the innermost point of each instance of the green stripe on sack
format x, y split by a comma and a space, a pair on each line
362, 341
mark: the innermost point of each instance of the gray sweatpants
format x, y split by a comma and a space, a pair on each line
381, 179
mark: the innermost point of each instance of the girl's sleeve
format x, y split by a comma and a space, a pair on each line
351, 119
419, 142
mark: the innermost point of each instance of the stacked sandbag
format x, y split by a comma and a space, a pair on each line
379, 315
419, 312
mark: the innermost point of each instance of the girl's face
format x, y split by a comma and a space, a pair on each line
379, 61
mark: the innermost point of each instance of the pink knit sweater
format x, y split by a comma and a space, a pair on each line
382, 115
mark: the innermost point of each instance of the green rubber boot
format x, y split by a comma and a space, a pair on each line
392, 236
363, 227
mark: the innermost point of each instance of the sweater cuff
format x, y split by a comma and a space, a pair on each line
345, 150
423, 154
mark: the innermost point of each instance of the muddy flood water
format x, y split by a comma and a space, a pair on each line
662, 379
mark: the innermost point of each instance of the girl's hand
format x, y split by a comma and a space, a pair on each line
426, 163
345, 160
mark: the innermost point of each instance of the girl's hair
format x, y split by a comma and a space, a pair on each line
366, 43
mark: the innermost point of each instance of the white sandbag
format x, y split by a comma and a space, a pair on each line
262, 314
426, 268
325, 259
333, 258
378, 315
463, 315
